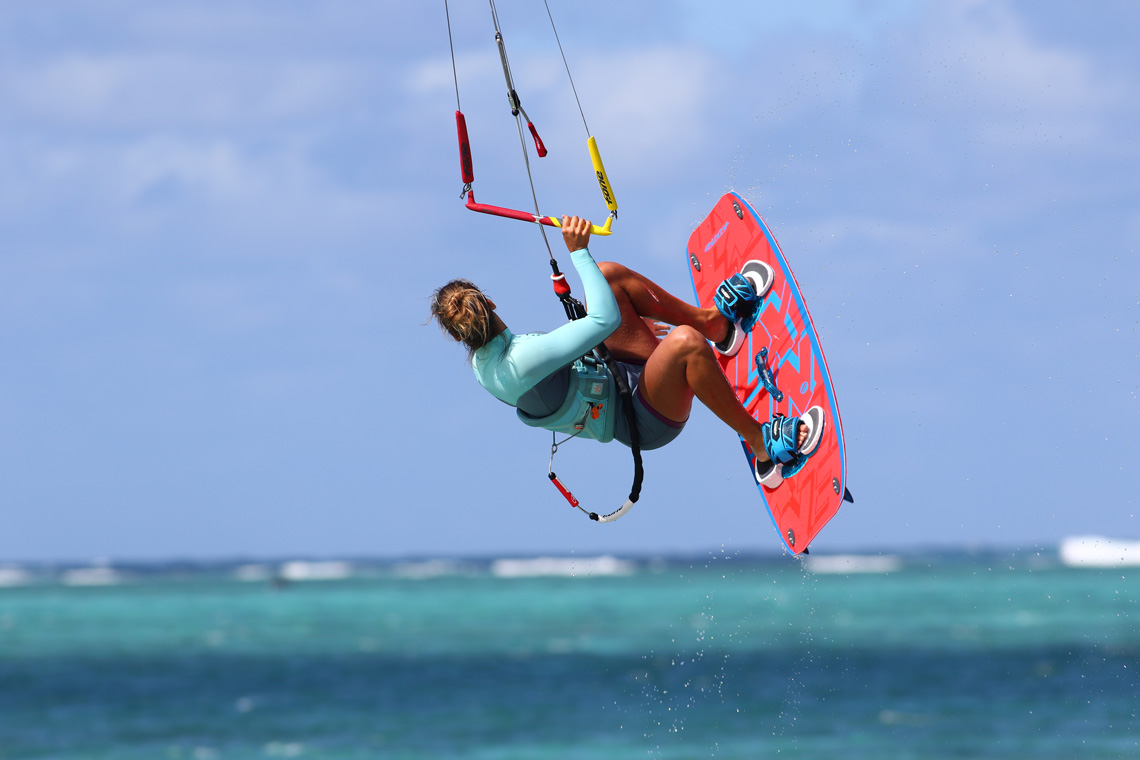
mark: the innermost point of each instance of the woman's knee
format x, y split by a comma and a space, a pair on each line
686, 339
612, 270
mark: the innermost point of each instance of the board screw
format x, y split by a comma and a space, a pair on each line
696, 262
739, 211
791, 537
835, 484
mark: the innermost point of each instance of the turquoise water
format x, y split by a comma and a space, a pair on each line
946, 657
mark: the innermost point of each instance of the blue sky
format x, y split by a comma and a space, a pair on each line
221, 226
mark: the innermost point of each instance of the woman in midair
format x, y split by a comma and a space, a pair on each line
541, 375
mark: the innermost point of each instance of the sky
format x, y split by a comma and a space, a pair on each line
221, 224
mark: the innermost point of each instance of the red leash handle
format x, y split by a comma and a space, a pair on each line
537, 140
562, 489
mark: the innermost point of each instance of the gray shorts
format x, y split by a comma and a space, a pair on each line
655, 429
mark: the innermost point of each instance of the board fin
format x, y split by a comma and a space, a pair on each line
847, 495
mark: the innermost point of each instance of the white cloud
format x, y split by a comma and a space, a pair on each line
437, 74
739, 25
656, 110
213, 189
988, 45
891, 233
214, 168
146, 91
979, 63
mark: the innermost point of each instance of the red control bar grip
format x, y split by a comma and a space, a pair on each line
509, 213
466, 167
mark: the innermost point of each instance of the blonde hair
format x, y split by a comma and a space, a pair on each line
463, 313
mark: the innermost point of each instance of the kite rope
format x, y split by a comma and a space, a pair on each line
451, 44
519, 114
566, 65
574, 308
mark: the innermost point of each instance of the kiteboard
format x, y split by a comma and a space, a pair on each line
780, 369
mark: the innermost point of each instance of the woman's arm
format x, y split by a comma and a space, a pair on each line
541, 355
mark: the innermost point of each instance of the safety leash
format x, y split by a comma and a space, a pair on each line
575, 310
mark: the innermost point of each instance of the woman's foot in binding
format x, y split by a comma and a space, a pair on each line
788, 442
738, 298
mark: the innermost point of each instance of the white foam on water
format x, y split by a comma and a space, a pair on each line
253, 572
561, 567
11, 575
853, 563
299, 570
1099, 551
91, 576
432, 568
284, 749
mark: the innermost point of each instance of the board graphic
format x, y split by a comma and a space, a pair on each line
785, 343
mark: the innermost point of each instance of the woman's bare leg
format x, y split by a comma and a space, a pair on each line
639, 297
682, 364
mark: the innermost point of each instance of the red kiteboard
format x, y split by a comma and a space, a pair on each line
785, 343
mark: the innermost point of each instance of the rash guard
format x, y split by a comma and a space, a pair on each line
514, 367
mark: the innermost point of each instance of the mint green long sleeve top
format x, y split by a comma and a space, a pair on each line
511, 365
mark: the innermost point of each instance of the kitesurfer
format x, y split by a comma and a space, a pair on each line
546, 379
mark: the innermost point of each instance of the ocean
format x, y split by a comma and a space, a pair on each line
940, 655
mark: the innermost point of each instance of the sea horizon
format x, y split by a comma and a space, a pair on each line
1072, 551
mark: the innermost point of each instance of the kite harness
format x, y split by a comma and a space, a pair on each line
573, 307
